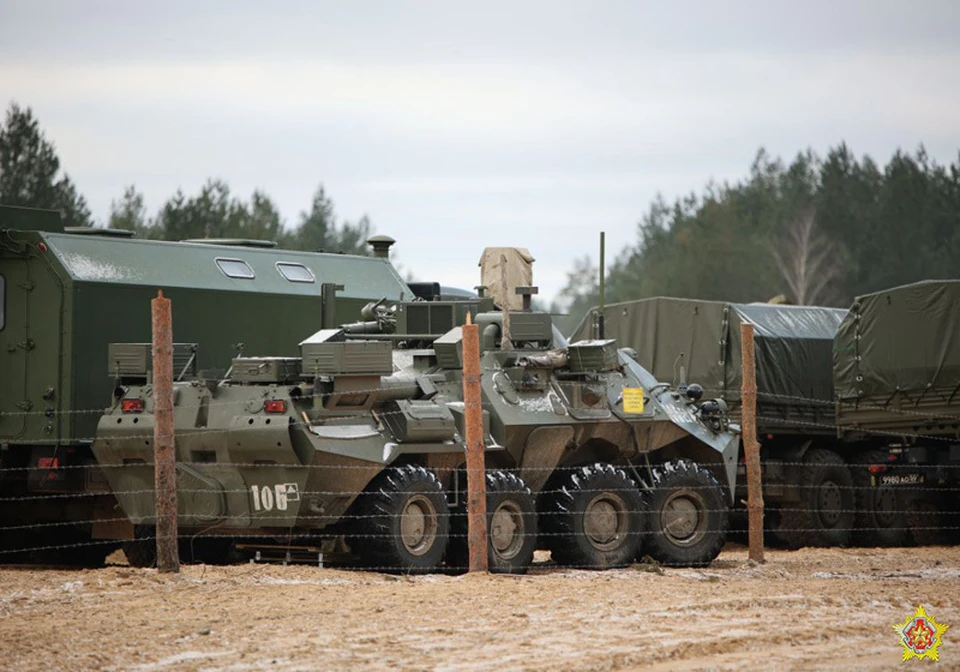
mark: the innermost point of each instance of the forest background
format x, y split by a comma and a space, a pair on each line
812, 230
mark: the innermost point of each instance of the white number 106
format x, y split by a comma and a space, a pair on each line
280, 495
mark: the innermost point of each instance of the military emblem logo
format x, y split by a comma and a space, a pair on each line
920, 635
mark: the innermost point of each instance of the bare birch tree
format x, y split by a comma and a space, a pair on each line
809, 261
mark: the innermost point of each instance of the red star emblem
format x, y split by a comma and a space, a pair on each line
920, 635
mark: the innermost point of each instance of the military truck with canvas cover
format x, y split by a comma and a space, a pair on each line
897, 378
361, 440
808, 487
66, 293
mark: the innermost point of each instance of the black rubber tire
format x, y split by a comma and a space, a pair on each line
91, 554
824, 516
774, 535
398, 497
612, 538
511, 527
70, 547
930, 524
208, 551
881, 517
141, 551
687, 515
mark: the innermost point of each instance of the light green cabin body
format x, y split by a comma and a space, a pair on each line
64, 297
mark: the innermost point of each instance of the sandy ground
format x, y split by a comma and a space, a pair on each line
807, 609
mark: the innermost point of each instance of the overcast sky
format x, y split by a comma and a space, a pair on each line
458, 125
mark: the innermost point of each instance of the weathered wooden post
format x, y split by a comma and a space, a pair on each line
751, 447
164, 453
473, 438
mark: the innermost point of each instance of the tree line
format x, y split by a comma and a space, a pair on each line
31, 175
814, 231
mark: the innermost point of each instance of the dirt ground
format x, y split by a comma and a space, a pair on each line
807, 609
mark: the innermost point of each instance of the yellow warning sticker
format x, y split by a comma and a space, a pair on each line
632, 400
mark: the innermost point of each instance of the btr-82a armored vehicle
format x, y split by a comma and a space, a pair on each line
361, 439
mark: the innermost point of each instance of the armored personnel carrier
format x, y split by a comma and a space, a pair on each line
332, 444
621, 464
360, 439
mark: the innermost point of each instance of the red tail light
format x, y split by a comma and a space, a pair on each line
131, 405
275, 406
53, 464
877, 468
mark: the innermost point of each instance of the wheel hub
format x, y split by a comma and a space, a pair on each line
506, 530
885, 507
683, 518
418, 525
831, 503
605, 521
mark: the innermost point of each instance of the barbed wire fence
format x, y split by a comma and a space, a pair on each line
921, 511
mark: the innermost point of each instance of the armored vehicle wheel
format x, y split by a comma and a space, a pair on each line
90, 553
69, 547
208, 550
687, 515
592, 517
824, 516
511, 527
141, 551
404, 521
881, 517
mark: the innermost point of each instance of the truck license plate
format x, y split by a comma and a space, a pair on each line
901, 479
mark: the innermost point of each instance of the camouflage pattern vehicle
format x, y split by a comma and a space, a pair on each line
360, 439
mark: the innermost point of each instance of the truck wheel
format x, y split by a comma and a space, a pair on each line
929, 524
141, 551
880, 518
592, 518
687, 515
824, 514
511, 527
404, 521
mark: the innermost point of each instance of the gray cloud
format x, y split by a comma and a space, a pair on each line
455, 127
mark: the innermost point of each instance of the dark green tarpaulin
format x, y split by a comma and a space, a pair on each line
794, 346
897, 359
903, 339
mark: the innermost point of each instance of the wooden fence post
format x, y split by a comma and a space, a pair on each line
473, 438
751, 447
164, 453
